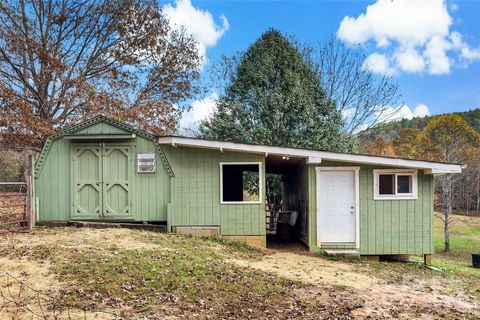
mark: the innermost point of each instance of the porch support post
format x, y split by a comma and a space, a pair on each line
427, 259
373, 258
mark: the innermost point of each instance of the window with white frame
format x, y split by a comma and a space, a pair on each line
240, 182
395, 184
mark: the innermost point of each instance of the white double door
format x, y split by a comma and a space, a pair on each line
336, 205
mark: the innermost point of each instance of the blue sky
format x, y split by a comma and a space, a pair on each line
431, 47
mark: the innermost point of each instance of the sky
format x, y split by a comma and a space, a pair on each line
430, 47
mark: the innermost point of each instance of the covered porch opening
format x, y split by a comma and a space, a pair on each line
286, 185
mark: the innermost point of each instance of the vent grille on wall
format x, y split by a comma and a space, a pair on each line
146, 162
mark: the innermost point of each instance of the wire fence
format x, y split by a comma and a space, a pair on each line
13, 206
19, 300
17, 202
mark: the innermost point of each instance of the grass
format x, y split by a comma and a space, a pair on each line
236, 246
185, 273
456, 265
142, 274
464, 240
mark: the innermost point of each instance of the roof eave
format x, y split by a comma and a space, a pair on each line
317, 156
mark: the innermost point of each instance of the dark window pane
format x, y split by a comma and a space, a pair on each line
240, 182
386, 184
404, 184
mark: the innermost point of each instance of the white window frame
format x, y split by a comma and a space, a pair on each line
260, 183
396, 196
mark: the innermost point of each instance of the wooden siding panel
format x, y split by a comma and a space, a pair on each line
151, 192
101, 128
53, 184
386, 226
197, 192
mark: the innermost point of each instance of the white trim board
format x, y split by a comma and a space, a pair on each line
396, 196
260, 183
313, 156
356, 178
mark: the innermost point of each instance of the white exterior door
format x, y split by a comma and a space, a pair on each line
336, 207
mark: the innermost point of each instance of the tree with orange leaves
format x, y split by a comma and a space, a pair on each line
449, 138
380, 147
407, 143
64, 60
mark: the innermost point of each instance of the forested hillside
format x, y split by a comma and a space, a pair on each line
390, 130
452, 138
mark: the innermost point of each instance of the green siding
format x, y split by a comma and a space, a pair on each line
101, 128
53, 183
386, 226
196, 193
192, 196
150, 192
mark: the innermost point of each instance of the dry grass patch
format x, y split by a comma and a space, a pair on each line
149, 274
139, 274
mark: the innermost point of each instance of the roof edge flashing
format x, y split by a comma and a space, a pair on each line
435, 167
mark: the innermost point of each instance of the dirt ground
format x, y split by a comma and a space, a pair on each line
309, 269
330, 290
377, 297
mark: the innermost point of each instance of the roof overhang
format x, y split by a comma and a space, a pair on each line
313, 156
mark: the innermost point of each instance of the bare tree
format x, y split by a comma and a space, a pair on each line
448, 138
362, 96
61, 60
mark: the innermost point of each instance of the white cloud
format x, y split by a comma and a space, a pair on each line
466, 52
421, 111
198, 22
409, 59
378, 63
390, 114
201, 110
406, 21
436, 55
413, 36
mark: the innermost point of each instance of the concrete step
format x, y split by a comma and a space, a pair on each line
345, 253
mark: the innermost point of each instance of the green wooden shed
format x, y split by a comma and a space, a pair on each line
103, 170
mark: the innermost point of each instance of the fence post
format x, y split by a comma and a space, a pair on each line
30, 194
32, 175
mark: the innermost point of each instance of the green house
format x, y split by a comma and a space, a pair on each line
103, 170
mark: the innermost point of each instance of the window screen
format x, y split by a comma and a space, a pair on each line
386, 184
404, 184
240, 182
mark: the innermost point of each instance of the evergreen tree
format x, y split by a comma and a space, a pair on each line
275, 97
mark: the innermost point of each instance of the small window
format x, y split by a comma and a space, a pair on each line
240, 182
398, 184
404, 184
386, 184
